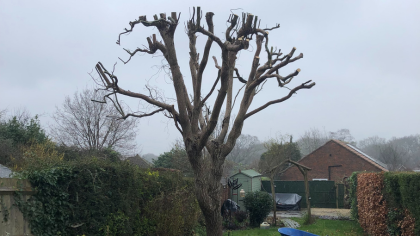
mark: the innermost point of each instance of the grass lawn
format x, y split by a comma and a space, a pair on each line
320, 227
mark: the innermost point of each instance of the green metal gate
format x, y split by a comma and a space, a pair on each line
324, 194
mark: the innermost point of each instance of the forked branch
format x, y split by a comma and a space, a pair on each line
306, 85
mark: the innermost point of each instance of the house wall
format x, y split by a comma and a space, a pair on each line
329, 155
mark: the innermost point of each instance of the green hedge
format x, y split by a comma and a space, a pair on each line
353, 195
401, 192
100, 197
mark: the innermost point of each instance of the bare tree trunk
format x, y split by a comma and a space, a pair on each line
308, 202
273, 194
208, 173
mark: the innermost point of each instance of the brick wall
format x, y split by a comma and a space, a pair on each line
330, 154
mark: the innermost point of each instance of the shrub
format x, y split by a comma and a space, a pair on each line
259, 205
401, 191
240, 216
371, 203
353, 195
394, 204
101, 197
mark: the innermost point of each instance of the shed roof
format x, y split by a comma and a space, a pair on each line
137, 160
249, 173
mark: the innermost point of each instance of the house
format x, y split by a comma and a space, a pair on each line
140, 162
5, 172
334, 161
250, 181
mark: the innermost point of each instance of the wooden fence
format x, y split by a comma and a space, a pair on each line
324, 194
12, 222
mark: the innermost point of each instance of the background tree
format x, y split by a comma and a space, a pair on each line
193, 117
372, 146
92, 126
311, 140
275, 160
343, 135
396, 152
393, 156
176, 158
17, 131
149, 157
314, 138
247, 149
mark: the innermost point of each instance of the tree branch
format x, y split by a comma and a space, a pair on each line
153, 47
305, 85
159, 23
139, 116
104, 75
280, 78
211, 91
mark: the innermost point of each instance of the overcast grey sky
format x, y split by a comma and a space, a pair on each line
363, 56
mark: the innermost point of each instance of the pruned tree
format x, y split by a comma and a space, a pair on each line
192, 116
92, 126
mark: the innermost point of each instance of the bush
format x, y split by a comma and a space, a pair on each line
240, 216
101, 197
259, 205
397, 201
371, 203
353, 195
401, 191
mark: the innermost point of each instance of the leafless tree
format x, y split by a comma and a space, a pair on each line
311, 140
194, 119
247, 149
372, 146
394, 156
2, 113
396, 152
92, 126
343, 135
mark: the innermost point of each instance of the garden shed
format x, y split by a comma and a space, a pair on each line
251, 182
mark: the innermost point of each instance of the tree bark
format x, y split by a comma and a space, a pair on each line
273, 194
308, 202
208, 173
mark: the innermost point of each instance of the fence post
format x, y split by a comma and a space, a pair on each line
336, 194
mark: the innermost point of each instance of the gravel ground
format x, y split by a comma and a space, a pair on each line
323, 213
